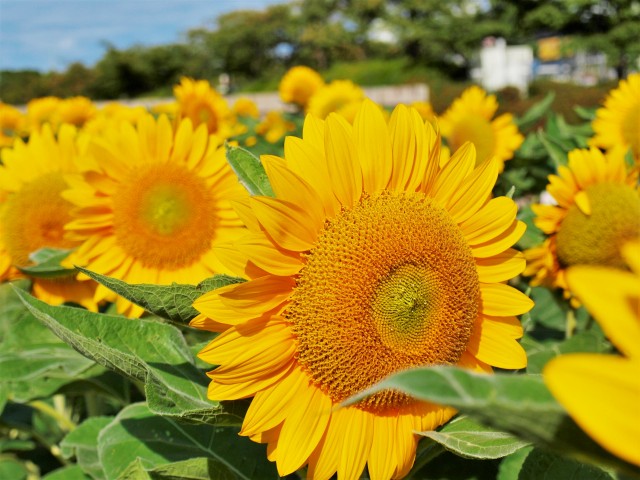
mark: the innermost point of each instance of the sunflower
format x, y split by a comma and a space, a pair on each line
152, 205
617, 124
274, 126
299, 84
12, 123
33, 213
601, 392
370, 259
245, 107
340, 96
75, 111
469, 119
598, 211
425, 109
41, 111
198, 101
113, 112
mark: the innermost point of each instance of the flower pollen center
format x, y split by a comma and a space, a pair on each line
162, 216
597, 239
34, 217
390, 284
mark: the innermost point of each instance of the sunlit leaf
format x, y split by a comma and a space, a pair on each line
249, 171
173, 302
468, 438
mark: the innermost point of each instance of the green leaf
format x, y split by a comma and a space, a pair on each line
538, 353
536, 112
555, 151
34, 363
137, 433
192, 469
533, 236
13, 469
511, 465
82, 443
144, 350
585, 113
173, 302
71, 472
539, 464
47, 264
549, 310
517, 404
467, 438
249, 171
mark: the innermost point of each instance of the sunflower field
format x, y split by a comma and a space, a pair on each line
341, 289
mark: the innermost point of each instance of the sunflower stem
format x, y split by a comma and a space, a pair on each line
64, 422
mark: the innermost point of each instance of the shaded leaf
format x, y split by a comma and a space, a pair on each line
13, 469
536, 112
82, 443
470, 439
144, 350
539, 464
585, 113
556, 152
72, 472
249, 171
34, 363
192, 469
173, 302
46, 264
511, 465
136, 433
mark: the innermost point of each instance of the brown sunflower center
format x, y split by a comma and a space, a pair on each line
631, 128
389, 285
163, 216
34, 218
596, 239
478, 131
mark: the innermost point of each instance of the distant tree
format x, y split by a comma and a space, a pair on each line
444, 35
18, 87
245, 42
610, 26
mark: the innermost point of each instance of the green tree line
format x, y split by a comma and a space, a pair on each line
258, 46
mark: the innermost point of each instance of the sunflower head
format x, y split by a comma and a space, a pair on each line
40, 111
152, 203
245, 107
617, 123
371, 258
299, 84
340, 96
76, 111
470, 119
32, 211
12, 124
198, 101
597, 212
274, 126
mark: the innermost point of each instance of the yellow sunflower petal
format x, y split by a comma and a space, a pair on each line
503, 300
602, 394
287, 223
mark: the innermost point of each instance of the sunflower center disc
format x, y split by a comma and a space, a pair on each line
596, 239
389, 285
477, 131
162, 216
35, 216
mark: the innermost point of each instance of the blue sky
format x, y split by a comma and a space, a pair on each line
50, 34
